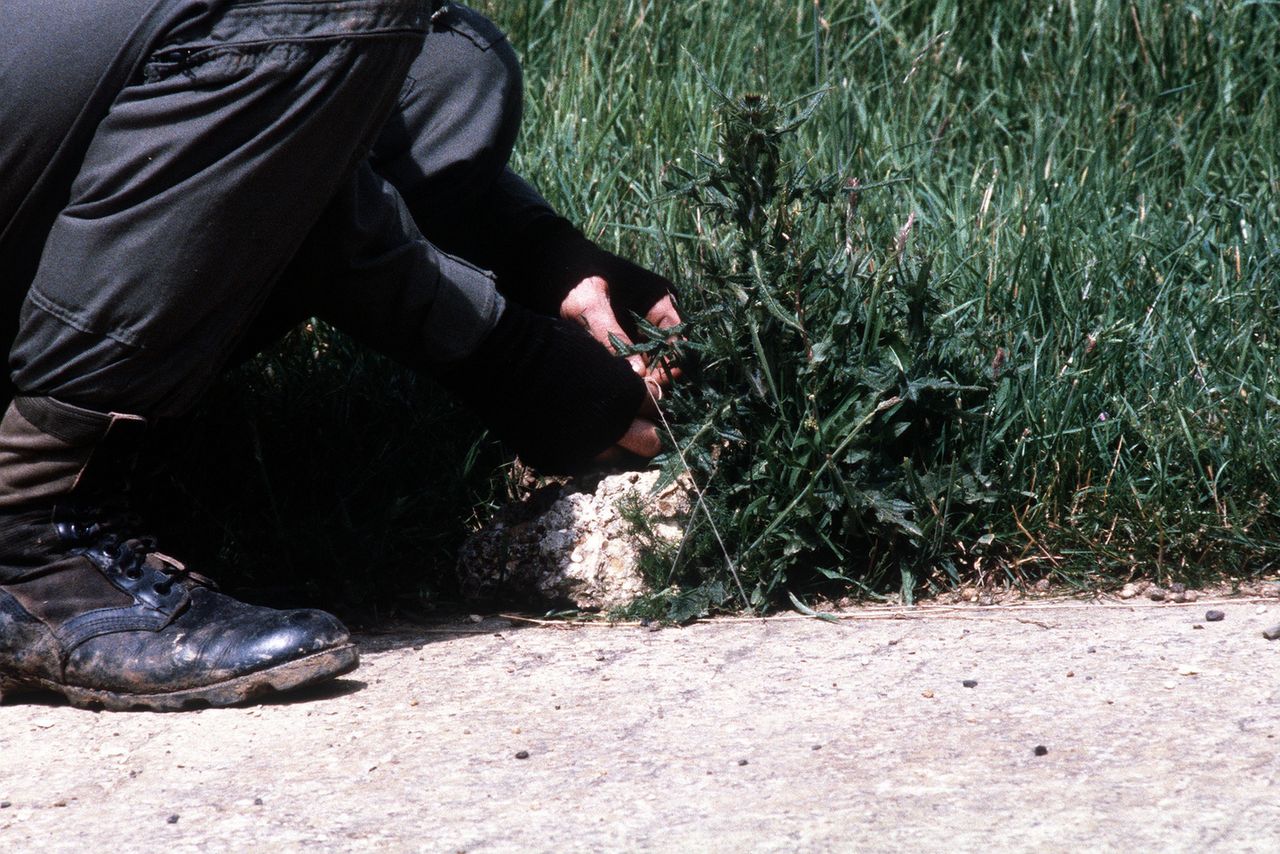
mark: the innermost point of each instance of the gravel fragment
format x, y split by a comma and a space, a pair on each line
4, 805
257, 802
1129, 591
1040, 750
1190, 596
1272, 633
970, 683
173, 819
742, 762
1214, 616
1155, 594
523, 754
986, 599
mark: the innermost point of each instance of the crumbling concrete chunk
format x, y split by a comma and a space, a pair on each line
569, 545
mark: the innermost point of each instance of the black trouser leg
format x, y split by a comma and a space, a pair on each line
438, 167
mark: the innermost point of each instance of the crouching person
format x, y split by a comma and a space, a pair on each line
187, 180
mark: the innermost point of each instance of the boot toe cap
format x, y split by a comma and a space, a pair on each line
287, 636
214, 640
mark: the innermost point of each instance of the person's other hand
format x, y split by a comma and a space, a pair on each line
641, 439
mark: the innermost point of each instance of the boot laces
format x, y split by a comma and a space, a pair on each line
110, 538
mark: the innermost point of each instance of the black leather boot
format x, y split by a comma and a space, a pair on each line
90, 609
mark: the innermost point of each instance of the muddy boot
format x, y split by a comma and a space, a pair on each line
90, 609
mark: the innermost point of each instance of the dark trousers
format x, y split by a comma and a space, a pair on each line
276, 161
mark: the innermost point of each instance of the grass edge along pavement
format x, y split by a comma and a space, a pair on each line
1079, 325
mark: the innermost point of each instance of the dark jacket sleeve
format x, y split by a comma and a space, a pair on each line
538, 256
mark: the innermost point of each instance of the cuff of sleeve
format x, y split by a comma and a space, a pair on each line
556, 257
548, 389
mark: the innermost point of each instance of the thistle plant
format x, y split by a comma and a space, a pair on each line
828, 406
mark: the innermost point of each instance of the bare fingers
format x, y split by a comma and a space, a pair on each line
640, 440
588, 304
664, 316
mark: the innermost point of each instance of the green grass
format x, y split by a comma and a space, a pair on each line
1094, 186
1094, 189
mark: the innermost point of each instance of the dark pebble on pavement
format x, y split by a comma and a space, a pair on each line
257, 802
1041, 750
523, 754
4, 805
1272, 633
173, 819
742, 762
970, 683
1213, 616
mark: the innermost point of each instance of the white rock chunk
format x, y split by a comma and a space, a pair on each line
569, 545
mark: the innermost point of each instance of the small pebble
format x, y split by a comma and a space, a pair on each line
4, 805
523, 754
1190, 596
742, 762
1042, 586
1040, 750
986, 599
926, 694
257, 802
1155, 594
1092, 649
1178, 596
1128, 591
173, 819
970, 683
1272, 633
1177, 587
816, 747
1213, 616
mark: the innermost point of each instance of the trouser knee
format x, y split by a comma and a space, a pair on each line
454, 129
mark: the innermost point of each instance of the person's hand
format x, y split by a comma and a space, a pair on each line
641, 439
556, 395
591, 304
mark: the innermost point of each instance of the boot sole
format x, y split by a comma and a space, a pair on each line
300, 673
